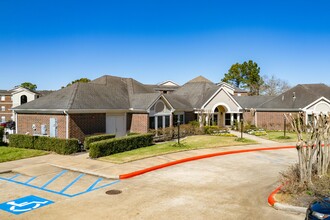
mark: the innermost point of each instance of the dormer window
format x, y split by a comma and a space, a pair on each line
23, 99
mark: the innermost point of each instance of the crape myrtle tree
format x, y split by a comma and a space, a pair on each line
313, 139
245, 75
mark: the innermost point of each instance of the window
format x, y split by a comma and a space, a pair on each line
3, 108
227, 119
152, 122
176, 117
3, 118
160, 121
167, 121
23, 99
3, 98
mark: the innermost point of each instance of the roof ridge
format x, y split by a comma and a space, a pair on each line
308, 89
73, 95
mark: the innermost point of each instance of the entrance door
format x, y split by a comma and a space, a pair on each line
116, 124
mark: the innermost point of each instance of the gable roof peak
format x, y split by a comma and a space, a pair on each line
200, 79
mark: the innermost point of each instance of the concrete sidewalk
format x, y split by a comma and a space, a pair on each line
82, 163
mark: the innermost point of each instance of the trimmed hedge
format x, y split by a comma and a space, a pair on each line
60, 146
117, 145
95, 138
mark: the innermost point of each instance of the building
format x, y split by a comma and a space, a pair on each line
15, 97
6, 104
111, 104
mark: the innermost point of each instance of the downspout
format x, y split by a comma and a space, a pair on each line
66, 124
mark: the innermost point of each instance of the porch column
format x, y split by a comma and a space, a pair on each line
156, 123
231, 119
238, 118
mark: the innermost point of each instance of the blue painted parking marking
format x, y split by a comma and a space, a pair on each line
73, 182
54, 178
24, 204
92, 187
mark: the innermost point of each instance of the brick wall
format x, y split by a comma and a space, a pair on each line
137, 122
268, 120
25, 122
7, 103
81, 125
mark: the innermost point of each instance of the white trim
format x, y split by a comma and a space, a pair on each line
162, 83
316, 101
216, 93
20, 89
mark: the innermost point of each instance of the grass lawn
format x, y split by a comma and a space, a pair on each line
190, 143
11, 153
279, 136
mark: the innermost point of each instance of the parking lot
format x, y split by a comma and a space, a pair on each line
225, 187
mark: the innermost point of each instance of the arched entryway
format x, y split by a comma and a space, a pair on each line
218, 116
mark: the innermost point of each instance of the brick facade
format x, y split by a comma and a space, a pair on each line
267, 120
137, 122
81, 125
7, 103
25, 122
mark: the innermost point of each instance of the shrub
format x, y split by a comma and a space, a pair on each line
60, 146
94, 138
2, 131
117, 145
170, 133
215, 130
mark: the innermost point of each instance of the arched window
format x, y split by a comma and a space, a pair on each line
23, 99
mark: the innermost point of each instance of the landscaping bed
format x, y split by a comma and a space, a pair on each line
189, 143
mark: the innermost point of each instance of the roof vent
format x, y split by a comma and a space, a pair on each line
294, 96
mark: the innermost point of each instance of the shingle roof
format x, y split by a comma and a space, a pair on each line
304, 95
107, 92
178, 102
5, 92
197, 91
252, 101
143, 100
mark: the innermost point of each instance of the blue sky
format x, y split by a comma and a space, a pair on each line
52, 42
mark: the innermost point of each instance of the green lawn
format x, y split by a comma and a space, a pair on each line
279, 136
190, 143
11, 153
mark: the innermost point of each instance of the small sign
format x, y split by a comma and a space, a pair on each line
24, 204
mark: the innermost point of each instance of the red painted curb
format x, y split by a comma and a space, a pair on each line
271, 197
139, 172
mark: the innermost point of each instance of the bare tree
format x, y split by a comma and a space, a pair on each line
312, 144
274, 86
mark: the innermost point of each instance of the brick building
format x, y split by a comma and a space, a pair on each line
119, 105
5, 105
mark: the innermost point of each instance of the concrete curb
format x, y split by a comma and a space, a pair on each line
284, 207
146, 170
116, 177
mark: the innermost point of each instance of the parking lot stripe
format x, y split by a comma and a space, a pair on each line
13, 177
73, 182
109, 184
94, 184
53, 179
32, 178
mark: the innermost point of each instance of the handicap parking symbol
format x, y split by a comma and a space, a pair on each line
24, 204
